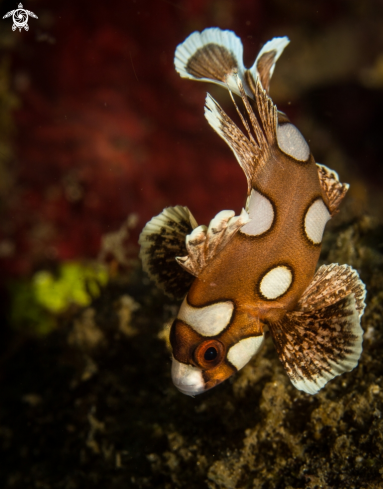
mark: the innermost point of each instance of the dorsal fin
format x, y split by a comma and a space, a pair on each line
251, 152
203, 244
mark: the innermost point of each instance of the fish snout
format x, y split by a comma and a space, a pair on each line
187, 378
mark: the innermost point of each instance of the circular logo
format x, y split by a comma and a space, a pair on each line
20, 19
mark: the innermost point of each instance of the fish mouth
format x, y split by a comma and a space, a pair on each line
187, 378
190, 389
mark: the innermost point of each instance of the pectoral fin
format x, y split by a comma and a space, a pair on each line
323, 337
204, 243
161, 240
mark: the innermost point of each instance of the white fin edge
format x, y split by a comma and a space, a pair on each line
161, 240
156, 224
349, 363
329, 172
342, 366
332, 283
277, 44
213, 35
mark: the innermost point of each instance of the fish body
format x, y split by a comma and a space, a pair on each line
244, 275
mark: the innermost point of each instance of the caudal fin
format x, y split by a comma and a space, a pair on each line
216, 56
211, 55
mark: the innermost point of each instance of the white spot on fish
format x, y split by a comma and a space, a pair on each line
291, 142
240, 353
276, 282
209, 320
315, 221
261, 213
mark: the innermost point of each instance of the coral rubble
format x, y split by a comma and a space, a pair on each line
94, 404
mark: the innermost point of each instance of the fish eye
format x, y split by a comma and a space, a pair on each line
209, 354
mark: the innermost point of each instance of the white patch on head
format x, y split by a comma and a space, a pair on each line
276, 282
315, 221
187, 379
291, 142
240, 353
261, 213
209, 320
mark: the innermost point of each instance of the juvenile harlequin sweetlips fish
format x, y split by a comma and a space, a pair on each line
244, 275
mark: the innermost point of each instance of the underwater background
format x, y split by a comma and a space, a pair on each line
98, 133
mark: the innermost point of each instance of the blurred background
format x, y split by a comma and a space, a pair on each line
98, 133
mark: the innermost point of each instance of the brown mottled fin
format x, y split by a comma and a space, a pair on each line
161, 240
211, 55
330, 284
333, 188
251, 152
204, 244
322, 338
264, 65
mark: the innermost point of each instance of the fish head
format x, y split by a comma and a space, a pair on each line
198, 363
208, 346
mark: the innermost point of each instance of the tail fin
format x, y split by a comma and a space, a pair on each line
216, 56
264, 65
212, 55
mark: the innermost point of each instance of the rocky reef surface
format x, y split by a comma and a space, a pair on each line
93, 405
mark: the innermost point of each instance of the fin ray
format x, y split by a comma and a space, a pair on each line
317, 345
251, 153
161, 240
330, 284
203, 244
322, 338
332, 187
245, 151
264, 65
212, 55
216, 55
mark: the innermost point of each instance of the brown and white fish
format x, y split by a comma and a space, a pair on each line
244, 275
